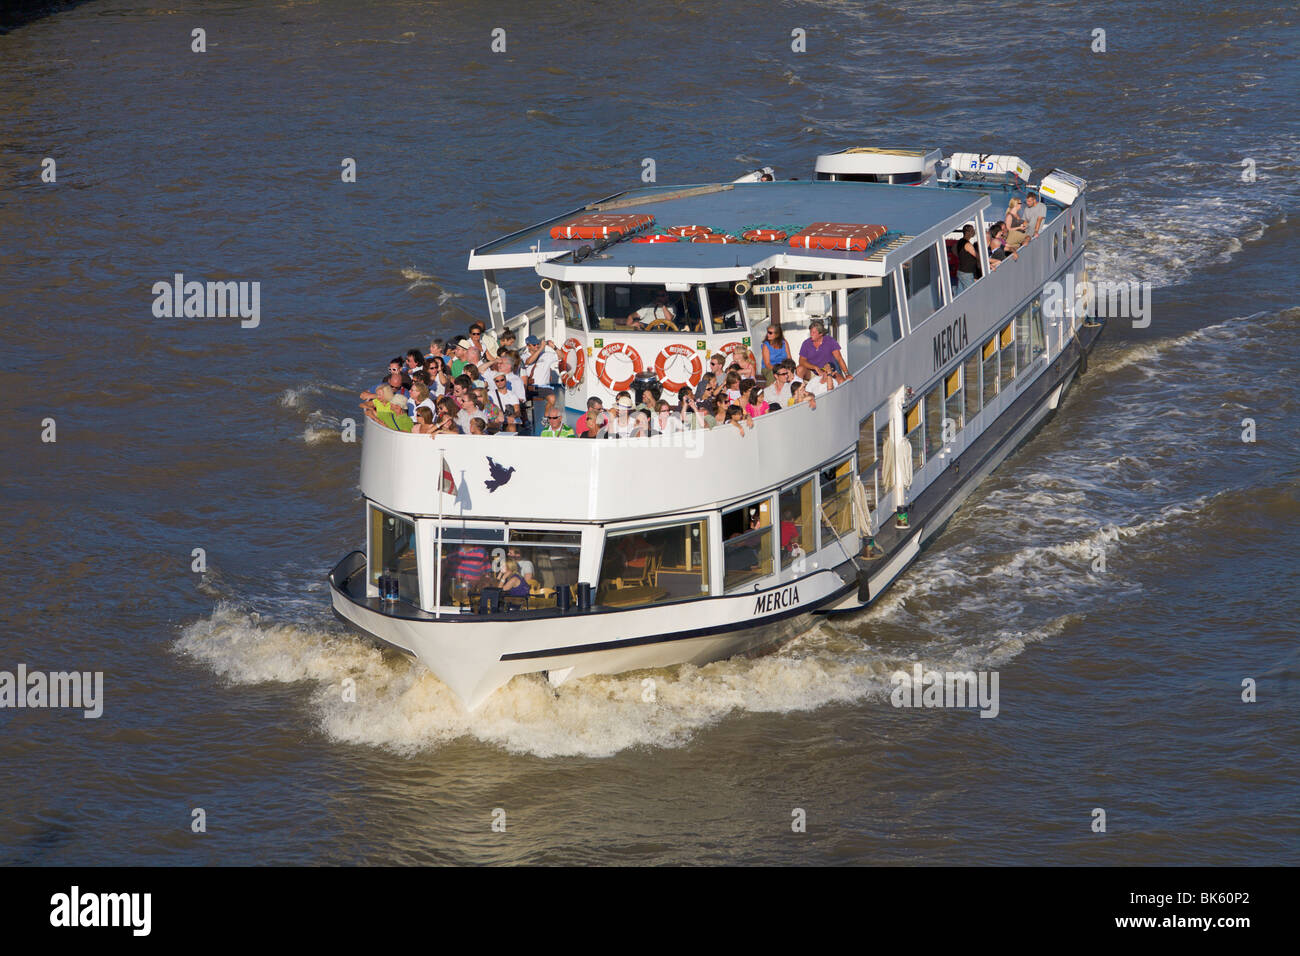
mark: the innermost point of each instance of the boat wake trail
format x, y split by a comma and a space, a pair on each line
401, 707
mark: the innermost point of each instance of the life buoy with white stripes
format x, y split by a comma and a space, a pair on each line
573, 369
615, 348
688, 230
715, 237
661, 367
765, 235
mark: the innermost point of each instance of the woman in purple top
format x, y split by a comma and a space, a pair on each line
818, 350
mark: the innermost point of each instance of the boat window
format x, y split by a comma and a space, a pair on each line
934, 421
912, 432
859, 315
990, 372
392, 551
953, 408
921, 280
971, 375
798, 534
836, 486
905, 179
568, 293
868, 458
628, 308
1056, 245
1073, 237
724, 307
527, 566
746, 544
1008, 352
654, 565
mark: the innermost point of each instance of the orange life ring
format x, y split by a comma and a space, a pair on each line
718, 237
661, 366
615, 348
689, 230
764, 235
729, 348
656, 237
574, 376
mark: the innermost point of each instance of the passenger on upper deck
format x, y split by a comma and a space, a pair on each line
541, 378
659, 314
775, 350
998, 246
800, 395
555, 427
818, 351
1035, 216
778, 393
968, 260
483, 340
594, 423
1014, 223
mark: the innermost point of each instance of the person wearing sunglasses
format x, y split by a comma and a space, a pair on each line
555, 427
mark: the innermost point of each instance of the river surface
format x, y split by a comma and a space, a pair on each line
1120, 689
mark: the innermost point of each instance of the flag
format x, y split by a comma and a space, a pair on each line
446, 484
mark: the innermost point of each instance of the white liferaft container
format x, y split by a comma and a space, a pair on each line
988, 164
1062, 186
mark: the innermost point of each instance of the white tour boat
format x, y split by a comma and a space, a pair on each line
694, 546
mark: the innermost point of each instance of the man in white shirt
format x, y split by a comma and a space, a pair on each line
541, 378
778, 393
660, 311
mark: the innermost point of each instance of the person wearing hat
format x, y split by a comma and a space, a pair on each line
460, 357
541, 379
622, 424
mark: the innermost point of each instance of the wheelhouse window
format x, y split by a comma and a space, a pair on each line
746, 544
725, 307
798, 531
658, 565
631, 308
568, 294
392, 552
836, 487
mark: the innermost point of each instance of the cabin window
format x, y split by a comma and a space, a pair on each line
654, 565
531, 565
836, 484
934, 421
920, 279
1030, 342
867, 457
952, 399
971, 374
798, 533
912, 432
1056, 245
1082, 220
746, 544
990, 352
392, 552
1073, 238
1008, 353
634, 309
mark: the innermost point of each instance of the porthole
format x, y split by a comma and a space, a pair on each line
1073, 239
1056, 246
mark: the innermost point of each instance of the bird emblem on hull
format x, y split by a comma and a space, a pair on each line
500, 475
